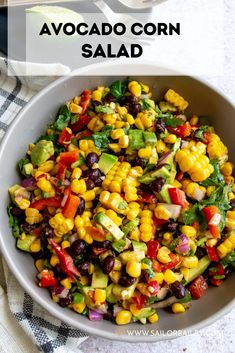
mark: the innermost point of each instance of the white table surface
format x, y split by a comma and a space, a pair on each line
219, 337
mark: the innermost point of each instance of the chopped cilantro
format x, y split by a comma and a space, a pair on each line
101, 138
199, 133
117, 89
169, 119
150, 270
216, 178
63, 118
13, 223
104, 109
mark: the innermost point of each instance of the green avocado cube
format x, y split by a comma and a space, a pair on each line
106, 162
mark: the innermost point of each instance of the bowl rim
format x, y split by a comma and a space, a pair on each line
89, 71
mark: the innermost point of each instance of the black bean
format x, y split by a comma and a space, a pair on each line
91, 158
102, 244
28, 228
227, 272
94, 174
178, 290
90, 184
77, 247
98, 182
134, 108
160, 126
232, 203
108, 316
157, 184
170, 226
200, 252
95, 103
140, 162
108, 264
126, 280
84, 268
81, 206
15, 211
65, 301
48, 232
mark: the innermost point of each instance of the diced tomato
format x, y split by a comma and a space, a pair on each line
67, 158
152, 248
198, 287
212, 254
47, 279
61, 172
85, 100
147, 198
216, 282
181, 130
175, 260
47, 202
84, 133
64, 137
82, 122
139, 300
153, 287
209, 212
207, 136
156, 266
71, 205
97, 234
178, 197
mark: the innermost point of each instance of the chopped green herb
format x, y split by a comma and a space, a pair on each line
101, 138
63, 118
169, 119
150, 270
104, 109
13, 223
117, 89
199, 133
216, 178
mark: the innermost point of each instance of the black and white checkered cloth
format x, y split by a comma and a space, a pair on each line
49, 334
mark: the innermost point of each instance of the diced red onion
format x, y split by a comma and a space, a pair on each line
65, 198
173, 209
73, 237
62, 293
161, 294
199, 194
163, 159
184, 144
182, 117
29, 184
116, 310
183, 245
215, 220
67, 182
94, 315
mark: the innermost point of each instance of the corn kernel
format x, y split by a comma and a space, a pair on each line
66, 283
178, 308
123, 141
78, 186
65, 244
36, 246
133, 268
75, 109
134, 310
97, 95
227, 169
79, 308
39, 265
130, 119
162, 213
46, 166
117, 133
159, 277
170, 276
170, 139
23, 204
194, 120
123, 317
135, 88
145, 152
161, 147
76, 174
153, 318
54, 260
190, 261
100, 296
189, 231
163, 255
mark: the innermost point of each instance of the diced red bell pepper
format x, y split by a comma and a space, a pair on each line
156, 266
178, 197
47, 202
47, 279
66, 260
96, 234
65, 137
181, 130
147, 198
198, 287
209, 212
82, 122
71, 205
152, 248
67, 158
216, 282
85, 100
158, 222
84, 133
219, 271
175, 260
153, 287
212, 254
207, 136
139, 300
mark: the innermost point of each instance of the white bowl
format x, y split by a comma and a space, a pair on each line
32, 122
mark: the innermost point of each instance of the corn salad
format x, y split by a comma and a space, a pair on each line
126, 202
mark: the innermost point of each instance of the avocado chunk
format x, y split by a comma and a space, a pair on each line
109, 295
27, 168
99, 278
106, 162
42, 151
109, 225
203, 263
24, 244
119, 245
148, 178
139, 246
136, 255
150, 138
131, 225
164, 194
136, 139
145, 313
124, 293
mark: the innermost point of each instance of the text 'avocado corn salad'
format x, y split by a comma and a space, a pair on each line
126, 205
